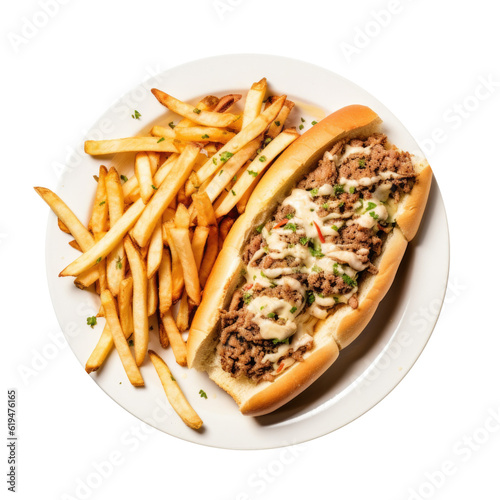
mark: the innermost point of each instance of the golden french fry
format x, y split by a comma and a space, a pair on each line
175, 338
99, 218
203, 209
180, 237
139, 300
249, 133
100, 313
101, 351
203, 134
253, 103
155, 251
75, 245
224, 227
277, 125
82, 236
131, 368
242, 202
165, 282
210, 254
177, 274
227, 102
129, 145
196, 115
174, 394
87, 278
62, 226
159, 131
227, 172
104, 247
144, 227
260, 163
154, 160
162, 334
182, 320
181, 218
181, 196
200, 236
144, 176
116, 260
152, 295
208, 103
125, 306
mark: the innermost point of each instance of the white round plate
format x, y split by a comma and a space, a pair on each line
364, 373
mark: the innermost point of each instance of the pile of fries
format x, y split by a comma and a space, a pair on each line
152, 240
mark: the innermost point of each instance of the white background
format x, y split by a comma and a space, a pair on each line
437, 434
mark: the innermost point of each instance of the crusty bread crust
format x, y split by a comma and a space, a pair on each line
344, 324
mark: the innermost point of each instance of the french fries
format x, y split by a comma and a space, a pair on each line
129, 145
152, 239
174, 394
163, 196
196, 115
131, 368
263, 160
139, 300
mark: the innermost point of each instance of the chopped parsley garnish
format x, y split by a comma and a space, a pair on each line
131, 342
335, 228
253, 173
301, 126
102, 203
316, 269
154, 187
310, 298
268, 140
243, 271
349, 281
277, 123
232, 192
289, 216
278, 341
338, 189
336, 269
235, 178
304, 241
205, 136
247, 297
272, 315
302, 119
325, 206
352, 190
316, 253
314, 192
197, 111
371, 205
171, 125
214, 160
293, 309
203, 394
92, 321
314, 122
220, 173
262, 274
260, 228
124, 178
172, 378
374, 215
119, 263
259, 151
98, 260
291, 226
266, 249
341, 204
262, 159
362, 163
136, 115
161, 139
225, 156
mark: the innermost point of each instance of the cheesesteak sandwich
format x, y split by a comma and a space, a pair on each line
304, 268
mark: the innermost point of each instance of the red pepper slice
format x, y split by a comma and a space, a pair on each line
248, 286
320, 234
280, 223
280, 367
